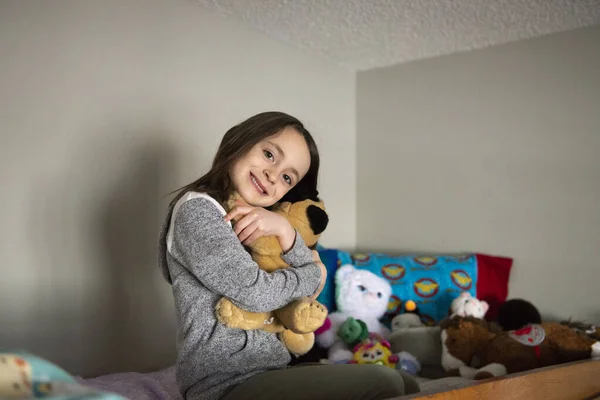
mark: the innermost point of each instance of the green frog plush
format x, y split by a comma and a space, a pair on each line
353, 331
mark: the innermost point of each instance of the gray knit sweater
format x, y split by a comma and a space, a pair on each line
203, 259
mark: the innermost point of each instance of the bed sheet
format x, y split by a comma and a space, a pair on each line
159, 385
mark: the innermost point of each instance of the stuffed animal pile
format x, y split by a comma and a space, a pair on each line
464, 343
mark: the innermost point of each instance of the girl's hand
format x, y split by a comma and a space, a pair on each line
255, 222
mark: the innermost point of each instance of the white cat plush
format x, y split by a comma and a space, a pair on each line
360, 294
466, 305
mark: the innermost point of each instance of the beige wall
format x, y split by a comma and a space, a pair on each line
496, 151
105, 107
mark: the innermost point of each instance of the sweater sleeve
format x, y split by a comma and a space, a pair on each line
299, 254
207, 246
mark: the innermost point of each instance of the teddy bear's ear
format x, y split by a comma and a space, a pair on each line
285, 207
317, 218
344, 272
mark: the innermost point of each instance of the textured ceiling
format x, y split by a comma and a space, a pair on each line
364, 34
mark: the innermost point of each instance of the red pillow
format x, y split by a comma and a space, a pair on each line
493, 273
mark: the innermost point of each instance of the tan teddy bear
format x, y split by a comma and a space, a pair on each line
297, 321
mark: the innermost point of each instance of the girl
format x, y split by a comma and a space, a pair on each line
268, 158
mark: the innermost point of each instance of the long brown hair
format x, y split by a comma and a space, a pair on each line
238, 141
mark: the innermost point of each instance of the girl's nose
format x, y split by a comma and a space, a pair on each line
269, 175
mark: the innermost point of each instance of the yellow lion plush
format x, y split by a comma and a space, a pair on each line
297, 321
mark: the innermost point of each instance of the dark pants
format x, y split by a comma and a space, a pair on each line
323, 381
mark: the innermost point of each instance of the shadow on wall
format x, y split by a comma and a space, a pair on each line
137, 332
98, 302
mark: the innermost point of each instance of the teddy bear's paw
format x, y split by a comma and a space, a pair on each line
310, 316
228, 314
297, 344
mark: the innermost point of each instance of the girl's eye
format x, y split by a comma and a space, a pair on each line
379, 352
287, 179
362, 288
268, 154
379, 294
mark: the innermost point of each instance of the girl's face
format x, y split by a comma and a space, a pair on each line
271, 168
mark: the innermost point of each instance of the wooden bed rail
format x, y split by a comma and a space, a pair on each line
573, 381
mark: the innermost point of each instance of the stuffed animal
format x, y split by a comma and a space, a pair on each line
362, 295
410, 318
466, 340
517, 313
297, 321
374, 350
466, 305
409, 363
353, 331
412, 339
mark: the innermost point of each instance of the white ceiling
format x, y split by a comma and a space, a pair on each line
365, 34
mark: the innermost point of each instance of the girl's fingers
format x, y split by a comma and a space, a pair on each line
244, 223
255, 235
246, 232
240, 210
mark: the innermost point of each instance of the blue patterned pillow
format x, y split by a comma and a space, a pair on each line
430, 281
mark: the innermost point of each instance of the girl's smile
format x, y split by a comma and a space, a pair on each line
258, 185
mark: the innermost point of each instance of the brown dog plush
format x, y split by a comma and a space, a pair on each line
498, 352
297, 321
